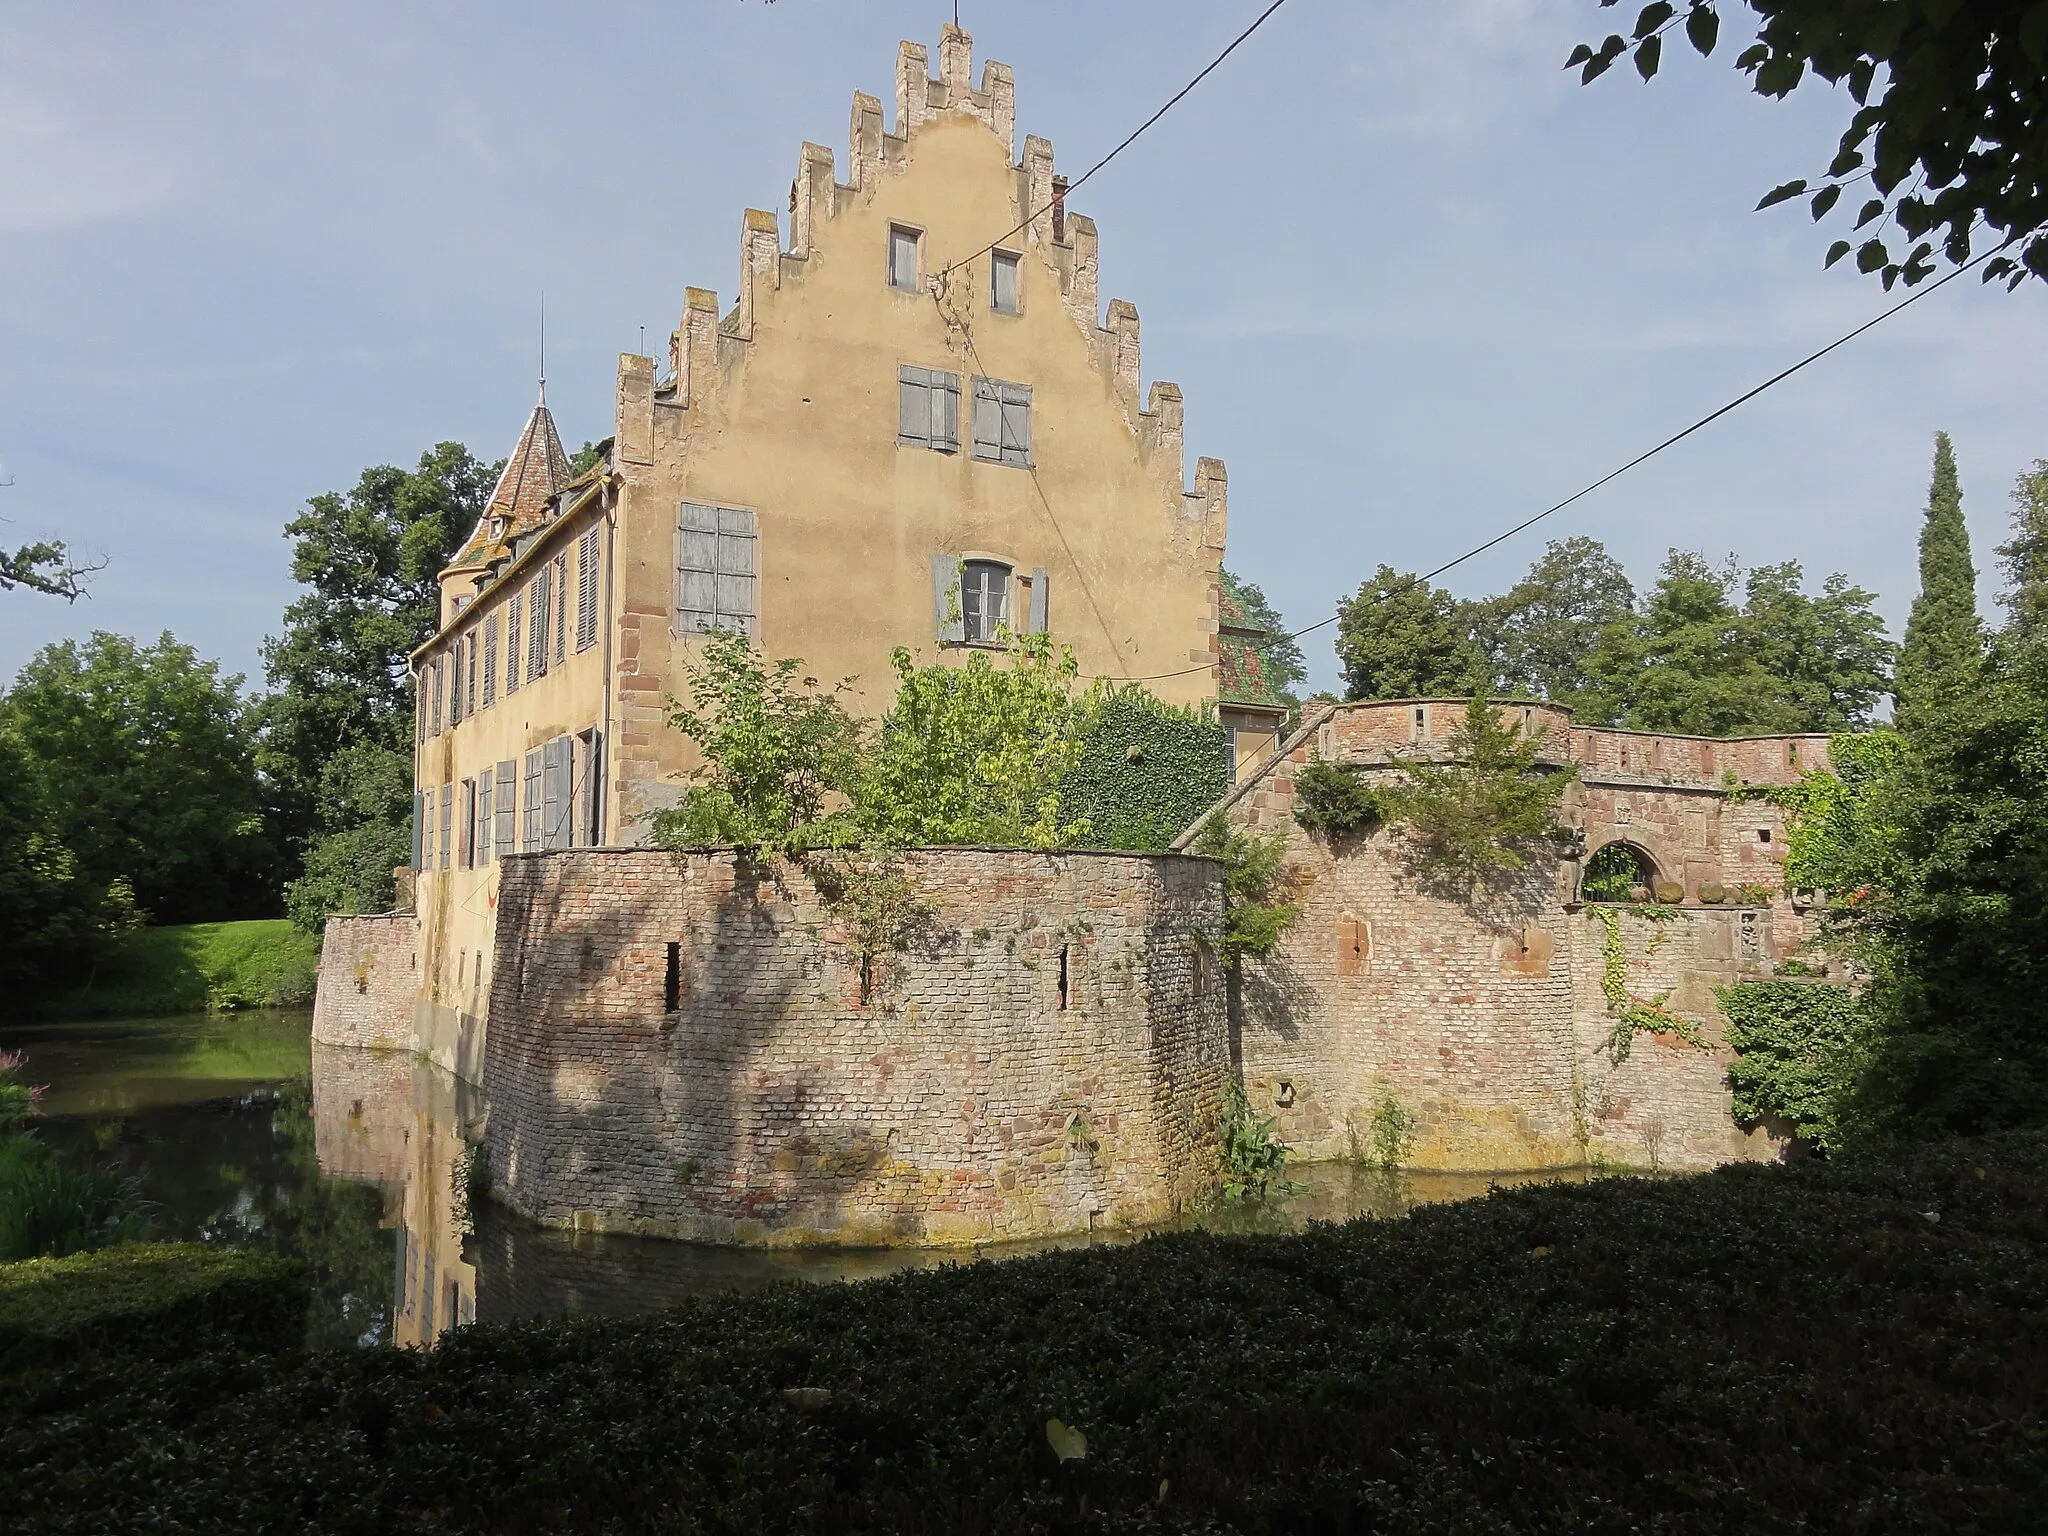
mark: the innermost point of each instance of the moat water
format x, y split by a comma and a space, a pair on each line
242, 1131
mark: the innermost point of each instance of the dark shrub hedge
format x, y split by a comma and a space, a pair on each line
148, 1301
1845, 1346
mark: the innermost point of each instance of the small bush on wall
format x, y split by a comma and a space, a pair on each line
1800, 1047
1333, 800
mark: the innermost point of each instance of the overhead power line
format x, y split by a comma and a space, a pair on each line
1074, 186
1612, 475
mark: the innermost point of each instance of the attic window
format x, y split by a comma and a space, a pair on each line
903, 258
1003, 281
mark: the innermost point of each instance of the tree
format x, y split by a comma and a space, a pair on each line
1286, 668
47, 567
368, 559
1684, 662
1540, 633
146, 757
2026, 555
1400, 638
1944, 647
52, 915
1955, 137
1828, 654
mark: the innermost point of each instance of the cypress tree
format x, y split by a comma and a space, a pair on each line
1944, 648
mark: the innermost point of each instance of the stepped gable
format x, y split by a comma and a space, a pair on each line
534, 474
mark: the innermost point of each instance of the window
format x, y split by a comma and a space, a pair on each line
468, 823
447, 825
469, 692
984, 600
454, 654
1002, 422
512, 653
486, 822
1002, 278
560, 584
440, 687
538, 606
903, 258
419, 828
491, 659
558, 804
530, 824
426, 829
586, 589
928, 409
714, 570
504, 806
419, 702
590, 801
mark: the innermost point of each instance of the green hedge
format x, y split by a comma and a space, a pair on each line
154, 1301
1800, 1046
1147, 770
196, 968
1827, 1346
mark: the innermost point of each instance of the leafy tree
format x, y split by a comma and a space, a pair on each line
1828, 654
1400, 638
1258, 904
1285, 665
1944, 647
2026, 555
368, 559
1954, 138
776, 751
145, 758
976, 754
365, 793
1539, 634
51, 913
1476, 821
48, 567
1684, 662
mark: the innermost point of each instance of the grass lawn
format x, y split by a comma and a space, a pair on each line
198, 968
1824, 1347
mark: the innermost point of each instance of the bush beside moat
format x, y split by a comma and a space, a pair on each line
1850, 1346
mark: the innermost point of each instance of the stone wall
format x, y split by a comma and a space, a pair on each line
369, 978
1486, 1020
1044, 1056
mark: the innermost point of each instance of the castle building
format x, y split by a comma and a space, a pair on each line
915, 427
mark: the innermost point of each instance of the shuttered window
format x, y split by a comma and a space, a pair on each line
590, 788
715, 569
426, 829
469, 671
468, 823
506, 807
486, 819
1002, 277
447, 848
560, 584
558, 801
928, 408
419, 826
513, 656
538, 607
490, 667
586, 589
530, 805
458, 672
440, 688
1002, 422
903, 258
984, 600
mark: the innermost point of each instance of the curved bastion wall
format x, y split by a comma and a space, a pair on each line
690, 1045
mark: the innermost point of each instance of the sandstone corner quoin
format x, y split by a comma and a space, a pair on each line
865, 451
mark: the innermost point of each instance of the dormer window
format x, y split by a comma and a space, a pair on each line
497, 527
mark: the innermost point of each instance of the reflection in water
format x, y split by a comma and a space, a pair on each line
357, 1162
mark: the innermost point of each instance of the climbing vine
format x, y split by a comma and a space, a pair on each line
1632, 1016
1147, 769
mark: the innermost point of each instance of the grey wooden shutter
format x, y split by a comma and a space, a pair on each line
447, 824
946, 412
696, 568
1039, 600
561, 590
490, 678
427, 823
529, 805
514, 657
988, 420
419, 822
592, 798
1016, 415
914, 406
507, 807
440, 686
737, 546
486, 817
557, 801
946, 610
537, 625
586, 591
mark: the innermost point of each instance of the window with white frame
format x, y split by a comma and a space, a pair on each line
928, 408
1003, 272
903, 258
715, 569
1002, 422
984, 600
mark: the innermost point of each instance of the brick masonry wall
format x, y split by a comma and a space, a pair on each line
368, 981
958, 1102
1487, 1022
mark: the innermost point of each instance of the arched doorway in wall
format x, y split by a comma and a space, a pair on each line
1618, 871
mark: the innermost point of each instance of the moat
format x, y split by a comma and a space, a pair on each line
243, 1131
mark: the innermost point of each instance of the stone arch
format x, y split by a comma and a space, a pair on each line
1613, 862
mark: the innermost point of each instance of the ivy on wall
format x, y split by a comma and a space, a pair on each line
1631, 1015
1147, 770
1800, 1046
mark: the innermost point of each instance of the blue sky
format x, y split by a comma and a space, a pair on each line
1415, 281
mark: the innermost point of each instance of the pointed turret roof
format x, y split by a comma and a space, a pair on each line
535, 474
